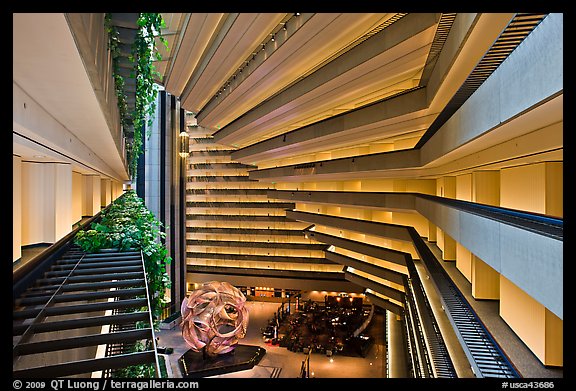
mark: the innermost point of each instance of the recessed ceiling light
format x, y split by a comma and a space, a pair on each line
39, 156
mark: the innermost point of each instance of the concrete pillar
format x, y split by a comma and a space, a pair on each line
485, 280
92, 195
446, 187
432, 232
46, 202
446, 244
533, 187
397, 354
464, 261
486, 187
537, 327
16, 208
62, 199
77, 196
106, 196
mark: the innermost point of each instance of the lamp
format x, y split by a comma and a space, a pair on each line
184, 144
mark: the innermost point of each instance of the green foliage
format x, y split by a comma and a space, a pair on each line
128, 225
143, 54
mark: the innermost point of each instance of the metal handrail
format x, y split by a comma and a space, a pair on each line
156, 362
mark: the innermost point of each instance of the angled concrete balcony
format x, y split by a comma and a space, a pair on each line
216, 178
245, 231
220, 217
381, 272
301, 280
371, 61
241, 205
394, 256
525, 248
219, 166
226, 192
267, 273
258, 258
368, 283
255, 244
472, 122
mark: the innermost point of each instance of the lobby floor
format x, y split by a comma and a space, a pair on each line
281, 362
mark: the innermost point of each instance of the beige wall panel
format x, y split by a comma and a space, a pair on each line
352, 185
381, 216
374, 261
525, 316
464, 187
62, 200
416, 220
381, 147
555, 189
399, 185
554, 340
105, 192
406, 143
464, 261
446, 244
524, 187
377, 185
46, 202
328, 186
331, 210
16, 208
346, 152
33, 199
446, 187
424, 186
353, 213
486, 187
77, 196
405, 247
432, 232
485, 280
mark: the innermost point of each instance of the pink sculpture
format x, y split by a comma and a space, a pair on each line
214, 318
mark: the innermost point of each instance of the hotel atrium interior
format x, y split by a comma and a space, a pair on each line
385, 190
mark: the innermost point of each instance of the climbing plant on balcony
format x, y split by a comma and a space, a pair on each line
143, 54
128, 224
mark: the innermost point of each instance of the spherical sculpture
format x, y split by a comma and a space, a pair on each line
214, 318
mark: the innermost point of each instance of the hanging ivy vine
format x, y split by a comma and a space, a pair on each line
143, 54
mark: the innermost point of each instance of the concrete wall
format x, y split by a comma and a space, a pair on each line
16, 208
531, 74
535, 188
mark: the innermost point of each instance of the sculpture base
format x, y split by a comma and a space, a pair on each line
193, 364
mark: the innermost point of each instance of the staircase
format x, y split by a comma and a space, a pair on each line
83, 301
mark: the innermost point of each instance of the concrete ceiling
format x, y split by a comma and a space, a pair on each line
49, 75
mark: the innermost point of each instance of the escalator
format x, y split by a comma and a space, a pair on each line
75, 304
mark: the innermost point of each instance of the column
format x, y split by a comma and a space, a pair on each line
92, 195
46, 202
16, 208
485, 280
464, 261
446, 187
62, 200
106, 198
77, 196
